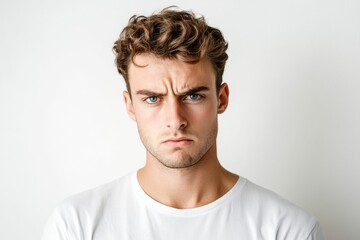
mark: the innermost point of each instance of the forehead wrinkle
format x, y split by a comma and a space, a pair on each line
146, 64
180, 81
173, 76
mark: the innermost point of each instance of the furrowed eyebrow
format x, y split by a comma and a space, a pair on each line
194, 90
149, 93
190, 91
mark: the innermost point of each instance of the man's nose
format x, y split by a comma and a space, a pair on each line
175, 115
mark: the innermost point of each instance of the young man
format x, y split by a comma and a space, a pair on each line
173, 63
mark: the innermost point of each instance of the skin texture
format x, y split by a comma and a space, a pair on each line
175, 106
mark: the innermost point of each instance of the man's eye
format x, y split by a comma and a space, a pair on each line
151, 99
193, 97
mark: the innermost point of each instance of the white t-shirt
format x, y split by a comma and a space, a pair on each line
121, 210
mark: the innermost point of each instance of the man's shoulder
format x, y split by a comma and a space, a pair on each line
269, 207
268, 200
75, 215
97, 197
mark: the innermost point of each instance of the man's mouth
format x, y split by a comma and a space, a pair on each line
178, 142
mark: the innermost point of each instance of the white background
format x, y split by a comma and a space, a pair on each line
293, 124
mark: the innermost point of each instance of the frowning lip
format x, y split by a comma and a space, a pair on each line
177, 142
177, 139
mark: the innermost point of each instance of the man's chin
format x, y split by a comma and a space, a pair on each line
178, 161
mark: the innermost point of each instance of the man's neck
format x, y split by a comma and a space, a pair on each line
190, 187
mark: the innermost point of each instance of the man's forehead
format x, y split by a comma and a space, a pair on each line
148, 61
148, 72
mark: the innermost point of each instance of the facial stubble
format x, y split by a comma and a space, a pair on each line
179, 157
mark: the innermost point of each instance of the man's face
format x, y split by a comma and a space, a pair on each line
175, 106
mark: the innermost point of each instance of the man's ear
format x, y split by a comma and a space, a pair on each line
223, 98
129, 105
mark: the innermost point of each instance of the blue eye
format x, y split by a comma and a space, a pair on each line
152, 99
193, 97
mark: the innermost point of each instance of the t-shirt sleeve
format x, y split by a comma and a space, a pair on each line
55, 227
316, 233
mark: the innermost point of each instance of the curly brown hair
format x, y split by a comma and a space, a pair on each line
171, 34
